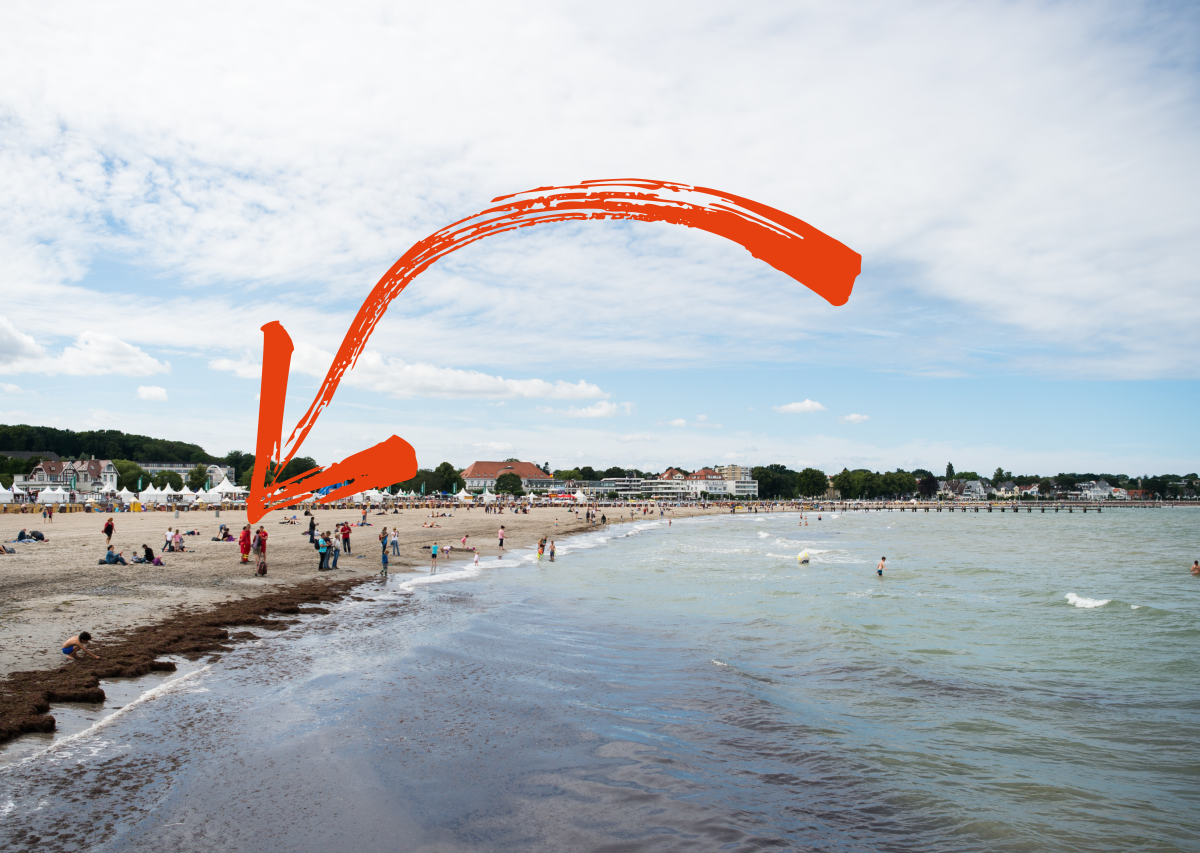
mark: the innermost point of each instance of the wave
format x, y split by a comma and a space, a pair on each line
1080, 601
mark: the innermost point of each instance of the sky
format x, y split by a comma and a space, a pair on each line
1021, 180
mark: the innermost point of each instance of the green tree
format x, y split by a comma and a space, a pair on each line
197, 477
1065, 482
239, 462
128, 475
897, 483
246, 477
1046, 488
928, 486
812, 483
448, 478
775, 481
587, 472
613, 473
949, 471
509, 484
921, 473
162, 478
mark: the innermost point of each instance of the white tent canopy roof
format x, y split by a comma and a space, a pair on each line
226, 487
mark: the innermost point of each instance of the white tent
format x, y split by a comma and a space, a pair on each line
464, 495
580, 496
51, 496
488, 496
226, 488
372, 495
187, 495
149, 495
5, 495
167, 493
125, 496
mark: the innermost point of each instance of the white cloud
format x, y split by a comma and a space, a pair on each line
92, 354
15, 345
400, 379
243, 368
636, 436
271, 176
701, 417
152, 392
803, 406
9, 388
499, 446
602, 409
853, 419
678, 422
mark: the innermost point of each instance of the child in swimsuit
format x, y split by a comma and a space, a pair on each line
77, 644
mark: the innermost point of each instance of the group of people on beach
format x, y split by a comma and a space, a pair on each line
254, 542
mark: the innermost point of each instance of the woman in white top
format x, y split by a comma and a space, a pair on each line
395, 542
167, 537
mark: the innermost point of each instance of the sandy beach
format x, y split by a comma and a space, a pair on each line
53, 589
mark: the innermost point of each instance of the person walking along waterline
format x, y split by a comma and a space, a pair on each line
501, 534
433, 551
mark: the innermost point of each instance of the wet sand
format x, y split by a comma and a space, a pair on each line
52, 590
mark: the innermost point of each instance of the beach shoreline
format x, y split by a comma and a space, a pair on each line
54, 589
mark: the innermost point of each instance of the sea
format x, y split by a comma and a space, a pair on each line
1013, 682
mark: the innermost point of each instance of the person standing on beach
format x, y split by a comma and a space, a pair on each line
109, 530
244, 543
395, 542
322, 550
501, 534
552, 551
346, 537
433, 559
334, 551
879, 569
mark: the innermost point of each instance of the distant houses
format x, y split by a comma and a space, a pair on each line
729, 481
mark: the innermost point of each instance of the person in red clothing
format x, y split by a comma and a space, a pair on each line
346, 537
244, 543
261, 563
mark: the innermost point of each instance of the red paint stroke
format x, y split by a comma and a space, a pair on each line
791, 245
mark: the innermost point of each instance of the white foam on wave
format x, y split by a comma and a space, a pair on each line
762, 534
153, 693
1080, 601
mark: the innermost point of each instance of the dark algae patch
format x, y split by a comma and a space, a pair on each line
25, 697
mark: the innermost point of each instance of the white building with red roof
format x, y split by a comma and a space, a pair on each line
482, 475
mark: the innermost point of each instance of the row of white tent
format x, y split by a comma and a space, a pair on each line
224, 491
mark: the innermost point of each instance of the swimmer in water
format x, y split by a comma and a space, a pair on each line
1196, 567
879, 569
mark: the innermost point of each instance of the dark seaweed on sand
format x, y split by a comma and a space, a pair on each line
25, 697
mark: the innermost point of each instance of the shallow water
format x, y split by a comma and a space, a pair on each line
1014, 683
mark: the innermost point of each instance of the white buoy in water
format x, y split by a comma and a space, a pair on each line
802, 557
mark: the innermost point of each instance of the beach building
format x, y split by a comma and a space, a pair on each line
82, 475
1033, 491
974, 490
482, 475
1096, 490
670, 484
627, 488
216, 473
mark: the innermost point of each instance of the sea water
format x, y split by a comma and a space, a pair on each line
1012, 683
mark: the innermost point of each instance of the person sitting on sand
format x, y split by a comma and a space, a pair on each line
114, 559
72, 647
22, 536
147, 553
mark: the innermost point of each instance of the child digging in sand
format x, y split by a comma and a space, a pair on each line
78, 643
